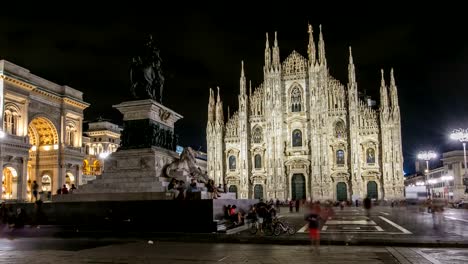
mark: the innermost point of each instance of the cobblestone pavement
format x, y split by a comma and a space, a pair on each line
33, 251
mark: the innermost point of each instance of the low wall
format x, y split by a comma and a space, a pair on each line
194, 216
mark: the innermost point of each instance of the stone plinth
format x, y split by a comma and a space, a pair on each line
148, 109
136, 170
132, 171
147, 124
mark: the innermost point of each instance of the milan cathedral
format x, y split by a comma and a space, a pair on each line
302, 134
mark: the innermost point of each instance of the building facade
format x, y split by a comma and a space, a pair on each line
41, 139
101, 139
447, 181
303, 134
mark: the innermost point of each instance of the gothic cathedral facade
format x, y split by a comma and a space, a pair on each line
302, 134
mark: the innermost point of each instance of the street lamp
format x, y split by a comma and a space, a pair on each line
103, 155
461, 135
427, 156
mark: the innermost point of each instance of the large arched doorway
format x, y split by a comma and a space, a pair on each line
10, 183
44, 138
341, 193
298, 187
42, 133
258, 191
372, 190
233, 189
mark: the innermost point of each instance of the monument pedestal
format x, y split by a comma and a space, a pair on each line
136, 170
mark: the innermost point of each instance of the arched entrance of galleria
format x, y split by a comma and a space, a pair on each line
43, 155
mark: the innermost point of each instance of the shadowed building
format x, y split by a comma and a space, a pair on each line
303, 134
42, 133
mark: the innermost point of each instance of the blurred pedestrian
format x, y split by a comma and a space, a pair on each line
35, 187
313, 219
291, 205
367, 207
64, 189
73, 188
298, 204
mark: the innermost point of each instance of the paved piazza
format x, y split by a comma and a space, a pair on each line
87, 251
401, 222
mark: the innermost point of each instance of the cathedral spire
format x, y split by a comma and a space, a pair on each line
211, 107
351, 69
267, 54
383, 92
393, 90
229, 113
219, 109
276, 56
311, 47
243, 89
321, 49
250, 88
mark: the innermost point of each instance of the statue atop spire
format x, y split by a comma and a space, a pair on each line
243, 88
383, 93
276, 55
321, 49
311, 47
267, 54
211, 107
351, 69
219, 109
393, 91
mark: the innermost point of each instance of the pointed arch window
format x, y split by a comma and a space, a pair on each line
297, 138
340, 129
296, 100
257, 135
370, 156
340, 157
258, 161
232, 162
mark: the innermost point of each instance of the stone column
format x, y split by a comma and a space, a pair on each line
23, 180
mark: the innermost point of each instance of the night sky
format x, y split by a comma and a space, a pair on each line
89, 48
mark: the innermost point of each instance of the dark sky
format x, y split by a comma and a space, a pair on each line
89, 48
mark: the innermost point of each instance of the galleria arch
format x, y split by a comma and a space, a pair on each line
42, 126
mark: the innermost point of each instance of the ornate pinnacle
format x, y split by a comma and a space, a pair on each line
276, 40
392, 78
242, 68
382, 80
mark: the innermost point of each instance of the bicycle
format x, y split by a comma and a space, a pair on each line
283, 227
268, 228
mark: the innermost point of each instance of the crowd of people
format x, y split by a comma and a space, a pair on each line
181, 191
65, 190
